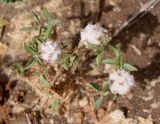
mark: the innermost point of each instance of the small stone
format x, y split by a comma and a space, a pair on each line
101, 113
117, 9
78, 117
70, 120
83, 102
110, 25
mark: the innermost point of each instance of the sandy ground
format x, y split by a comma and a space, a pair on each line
21, 104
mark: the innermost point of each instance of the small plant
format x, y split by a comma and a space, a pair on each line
46, 51
119, 81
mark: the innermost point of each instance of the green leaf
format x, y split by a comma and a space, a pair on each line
64, 58
19, 67
3, 22
99, 57
99, 102
48, 31
105, 86
118, 56
95, 86
43, 81
66, 61
111, 96
76, 63
109, 38
129, 67
109, 61
49, 95
36, 17
27, 29
29, 49
72, 59
29, 64
55, 105
46, 15
93, 46
39, 61
114, 49
54, 22
50, 28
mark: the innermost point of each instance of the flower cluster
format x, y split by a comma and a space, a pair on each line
95, 37
92, 34
50, 52
121, 82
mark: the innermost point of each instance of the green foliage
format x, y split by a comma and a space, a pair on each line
69, 60
100, 50
109, 61
55, 105
27, 29
95, 87
51, 23
129, 67
45, 31
102, 91
30, 49
99, 57
99, 102
117, 61
43, 81
46, 15
49, 95
19, 67
29, 64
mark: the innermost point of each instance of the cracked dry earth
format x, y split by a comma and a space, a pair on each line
22, 104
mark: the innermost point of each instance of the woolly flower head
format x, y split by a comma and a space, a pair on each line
121, 82
92, 34
50, 52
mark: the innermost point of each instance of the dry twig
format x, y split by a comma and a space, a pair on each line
143, 10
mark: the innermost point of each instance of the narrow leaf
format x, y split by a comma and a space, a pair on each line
99, 102
95, 86
43, 81
55, 105
129, 67
109, 61
48, 31
39, 61
54, 22
29, 50
99, 57
29, 64
27, 29
49, 95
93, 46
36, 17
113, 48
46, 14
19, 67
105, 86
72, 59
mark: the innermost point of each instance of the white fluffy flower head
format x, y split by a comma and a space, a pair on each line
50, 52
121, 82
92, 34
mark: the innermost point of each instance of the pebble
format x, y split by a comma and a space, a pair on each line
83, 102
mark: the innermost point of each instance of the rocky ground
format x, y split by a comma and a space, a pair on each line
20, 98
